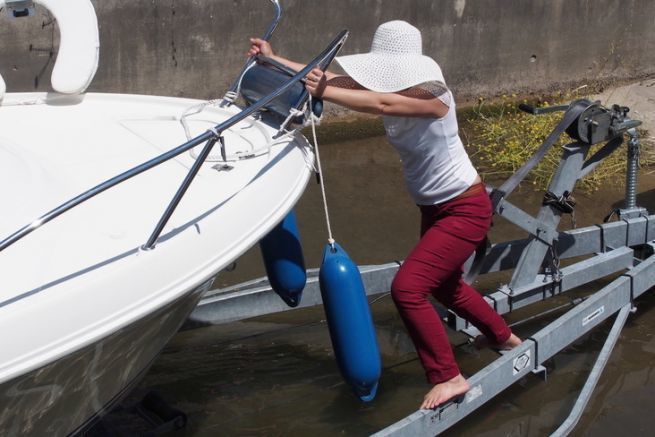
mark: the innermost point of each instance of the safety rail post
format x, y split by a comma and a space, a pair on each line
180, 192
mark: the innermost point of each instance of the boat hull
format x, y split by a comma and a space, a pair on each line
70, 393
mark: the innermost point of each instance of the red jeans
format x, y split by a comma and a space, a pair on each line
450, 233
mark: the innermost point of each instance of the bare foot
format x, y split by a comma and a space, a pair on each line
445, 391
482, 342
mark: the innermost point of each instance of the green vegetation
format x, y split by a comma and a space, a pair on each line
501, 138
359, 128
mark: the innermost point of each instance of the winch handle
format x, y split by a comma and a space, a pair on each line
544, 110
625, 126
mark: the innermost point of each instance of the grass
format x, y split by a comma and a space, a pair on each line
501, 138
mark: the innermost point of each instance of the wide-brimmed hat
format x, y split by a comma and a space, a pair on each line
395, 62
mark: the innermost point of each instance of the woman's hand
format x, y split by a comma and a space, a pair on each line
260, 46
315, 82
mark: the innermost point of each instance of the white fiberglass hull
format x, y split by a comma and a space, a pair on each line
81, 285
68, 394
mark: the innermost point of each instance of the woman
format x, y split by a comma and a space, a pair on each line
396, 81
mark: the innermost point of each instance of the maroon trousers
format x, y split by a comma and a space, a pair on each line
450, 233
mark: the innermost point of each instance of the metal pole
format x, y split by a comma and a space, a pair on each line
631, 174
180, 193
271, 28
603, 357
25, 230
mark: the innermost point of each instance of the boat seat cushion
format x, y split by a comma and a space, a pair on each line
262, 79
79, 45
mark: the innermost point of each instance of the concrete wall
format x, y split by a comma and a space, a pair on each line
485, 47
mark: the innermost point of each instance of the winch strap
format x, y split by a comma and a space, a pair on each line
600, 155
510, 184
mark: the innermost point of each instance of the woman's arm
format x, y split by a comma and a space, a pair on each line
345, 92
385, 103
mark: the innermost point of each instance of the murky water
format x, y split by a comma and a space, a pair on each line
276, 375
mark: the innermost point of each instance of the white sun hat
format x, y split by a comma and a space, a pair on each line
395, 62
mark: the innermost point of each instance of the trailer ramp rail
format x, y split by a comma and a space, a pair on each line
537, 275
610, 248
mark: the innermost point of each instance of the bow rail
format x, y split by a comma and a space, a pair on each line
209, 138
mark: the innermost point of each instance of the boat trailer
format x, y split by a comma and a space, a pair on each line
623, 248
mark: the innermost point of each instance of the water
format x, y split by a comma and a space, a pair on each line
276, 375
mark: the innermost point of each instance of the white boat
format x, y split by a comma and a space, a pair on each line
95, 276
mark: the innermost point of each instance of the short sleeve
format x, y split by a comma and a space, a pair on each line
439, 90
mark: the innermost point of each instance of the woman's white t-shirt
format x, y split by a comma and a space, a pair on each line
435, 164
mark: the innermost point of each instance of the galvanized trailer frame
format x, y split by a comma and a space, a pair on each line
608, 248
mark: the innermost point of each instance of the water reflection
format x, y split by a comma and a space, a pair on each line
276, 375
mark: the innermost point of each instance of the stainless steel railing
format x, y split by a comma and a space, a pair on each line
271, 28
209, 138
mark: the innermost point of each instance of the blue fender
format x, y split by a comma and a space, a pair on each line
350, 322
284, 262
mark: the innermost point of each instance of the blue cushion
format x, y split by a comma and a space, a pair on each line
262, 79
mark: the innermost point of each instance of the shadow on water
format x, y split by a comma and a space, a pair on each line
276, 375
645, 200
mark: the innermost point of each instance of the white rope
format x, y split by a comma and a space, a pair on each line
214, 131
313, 119
293, 113
230, 97
197, 108
281, 136
265, 149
